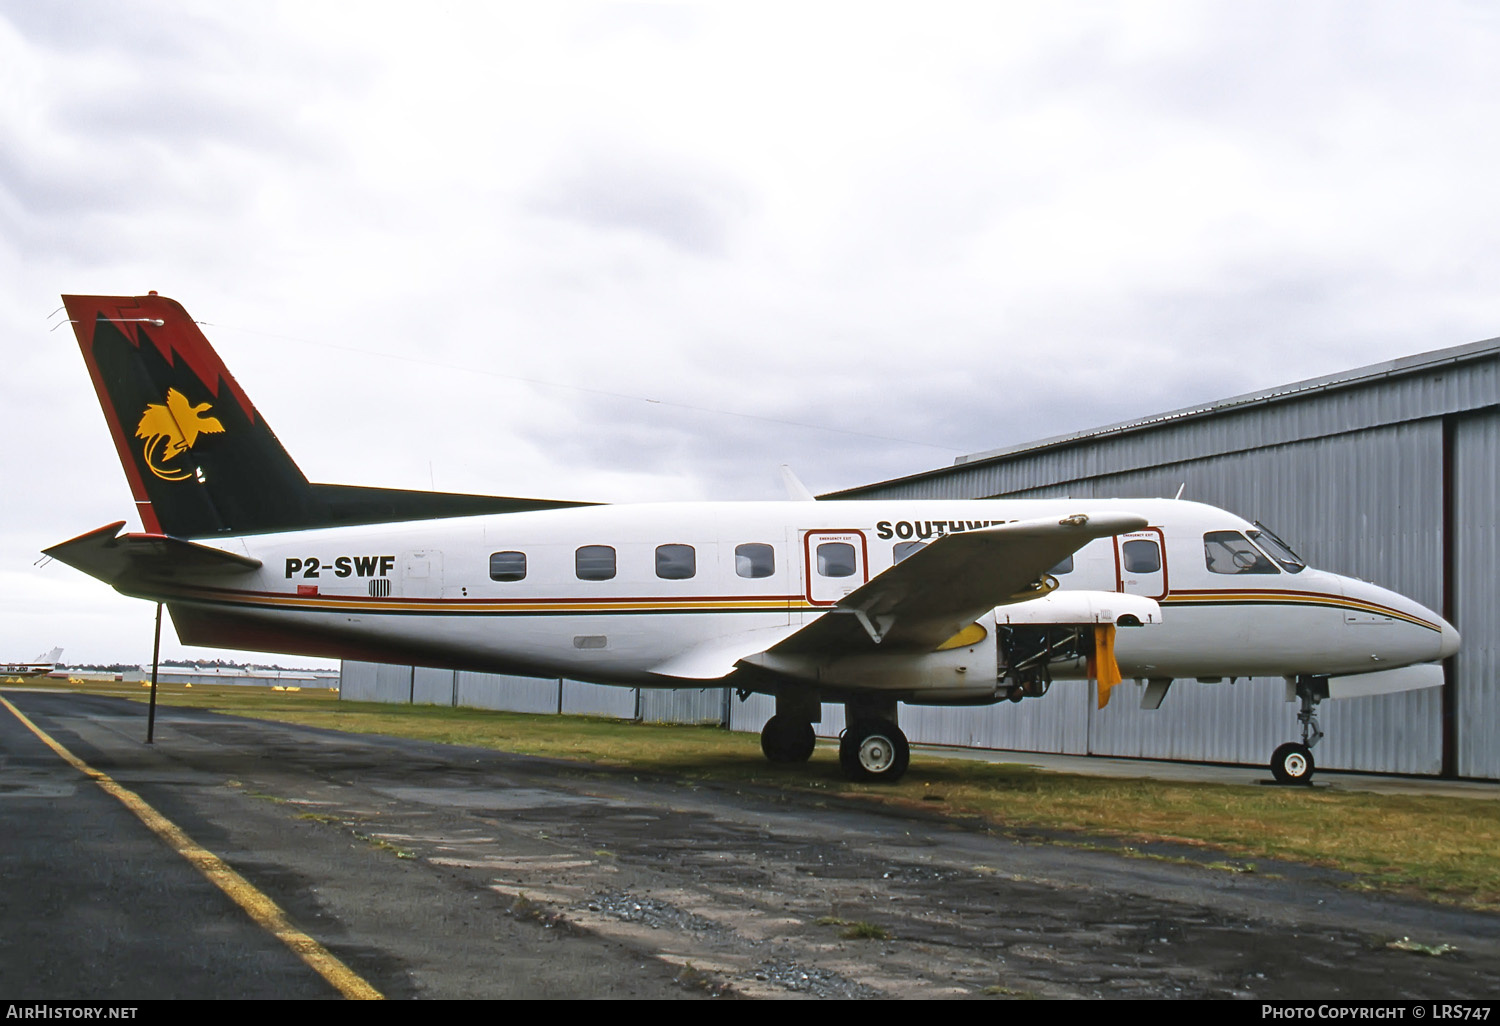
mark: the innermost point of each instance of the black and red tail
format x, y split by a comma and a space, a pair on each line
199, 457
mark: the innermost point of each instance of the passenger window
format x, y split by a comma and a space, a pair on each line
903, 549
836, 559
507, 566
595, 562
1228, 552
1141, 557
676, 562
1065, 567
754, 560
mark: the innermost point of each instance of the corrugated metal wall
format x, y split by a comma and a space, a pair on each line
419, 685
374, 682
506, 693
433, 687
1476, 599
597, 700
704, 705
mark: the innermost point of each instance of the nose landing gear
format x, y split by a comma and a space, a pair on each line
1292, 763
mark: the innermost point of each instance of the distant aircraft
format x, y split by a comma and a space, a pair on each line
42, 665
867, 603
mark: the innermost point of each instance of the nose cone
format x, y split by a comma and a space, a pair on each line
1450, 641
1394, 630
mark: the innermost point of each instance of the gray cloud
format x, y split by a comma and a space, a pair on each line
693, 210
151, 31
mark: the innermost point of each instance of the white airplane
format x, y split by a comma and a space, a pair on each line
869, 603
42, 665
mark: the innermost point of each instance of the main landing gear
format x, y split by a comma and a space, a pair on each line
1292, 763
872, 749
786, 739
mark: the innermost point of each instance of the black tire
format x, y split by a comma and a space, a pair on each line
787, 741
875, 752
847, 761
1292, 763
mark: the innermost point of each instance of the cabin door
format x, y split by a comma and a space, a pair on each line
834, 563
1141, 563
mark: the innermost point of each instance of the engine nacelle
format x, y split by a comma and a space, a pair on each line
1010, 652
1076, 608
1062, 633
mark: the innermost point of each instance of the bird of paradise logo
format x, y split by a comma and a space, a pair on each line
170, 430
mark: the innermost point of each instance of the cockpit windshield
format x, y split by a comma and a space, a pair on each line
1277, 549
1227, 552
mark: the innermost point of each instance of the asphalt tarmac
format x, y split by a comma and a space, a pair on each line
428, 871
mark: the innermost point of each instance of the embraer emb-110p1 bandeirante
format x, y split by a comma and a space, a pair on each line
866, 603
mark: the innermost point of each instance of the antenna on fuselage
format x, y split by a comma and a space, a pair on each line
1180, 489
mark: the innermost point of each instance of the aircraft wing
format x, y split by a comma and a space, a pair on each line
920, 602
937, 591
122, 558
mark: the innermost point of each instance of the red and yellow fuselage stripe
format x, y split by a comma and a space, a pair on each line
1268, 596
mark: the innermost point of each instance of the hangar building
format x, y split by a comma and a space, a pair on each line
1387, 473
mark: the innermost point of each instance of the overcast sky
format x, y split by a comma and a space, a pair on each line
632, 252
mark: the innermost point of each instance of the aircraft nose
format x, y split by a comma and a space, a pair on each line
1403, 645
1450, 640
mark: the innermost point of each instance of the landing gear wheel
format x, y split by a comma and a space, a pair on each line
874, 751
785, 740
1292, 763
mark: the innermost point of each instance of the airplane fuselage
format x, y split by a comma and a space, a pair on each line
612, 594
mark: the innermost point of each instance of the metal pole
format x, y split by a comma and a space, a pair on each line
155, 660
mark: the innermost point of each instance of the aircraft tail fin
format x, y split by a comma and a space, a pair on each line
199, 457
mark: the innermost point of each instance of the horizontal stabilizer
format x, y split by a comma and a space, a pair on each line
122, 558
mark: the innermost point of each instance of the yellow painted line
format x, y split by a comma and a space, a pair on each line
260, 908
